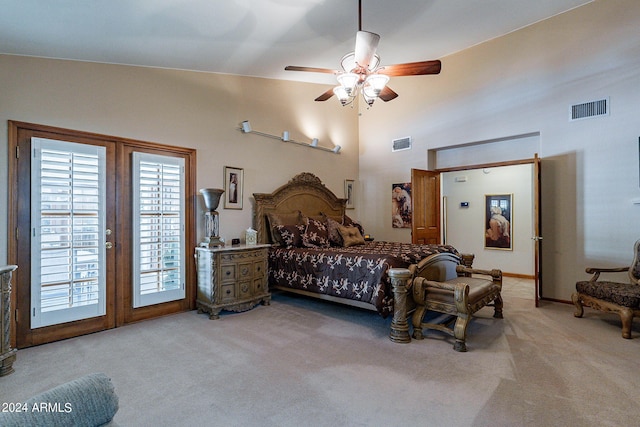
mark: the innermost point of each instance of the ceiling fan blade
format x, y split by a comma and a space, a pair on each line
387, 94
411, 69
366, 45
311, 69
328, 94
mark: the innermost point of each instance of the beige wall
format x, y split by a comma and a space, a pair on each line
197, 110
466, 225
519, 84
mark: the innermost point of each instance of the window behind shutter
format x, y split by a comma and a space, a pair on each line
159, 229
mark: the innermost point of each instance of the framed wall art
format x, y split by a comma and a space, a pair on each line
348, 193
233, 183
401, 205
498, 221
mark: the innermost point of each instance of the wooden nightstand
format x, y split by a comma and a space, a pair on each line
231, 278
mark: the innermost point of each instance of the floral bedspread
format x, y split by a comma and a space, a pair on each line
357, 272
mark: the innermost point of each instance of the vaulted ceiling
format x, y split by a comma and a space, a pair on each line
257, 37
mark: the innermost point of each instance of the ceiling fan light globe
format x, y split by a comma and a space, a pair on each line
348, 81
369, 96
342, 95
376, 82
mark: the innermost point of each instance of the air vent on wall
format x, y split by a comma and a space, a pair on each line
589, 109
401, 144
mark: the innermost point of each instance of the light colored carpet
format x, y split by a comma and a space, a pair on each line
302, 361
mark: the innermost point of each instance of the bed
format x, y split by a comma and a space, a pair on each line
335, 263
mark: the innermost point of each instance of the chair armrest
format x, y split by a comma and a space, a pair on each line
596, 271
495, 274
460, 291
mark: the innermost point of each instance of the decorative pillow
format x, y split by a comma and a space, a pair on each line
293, 218
335, 239
337, 218
291, 235
348, 222
351, 236
316, 235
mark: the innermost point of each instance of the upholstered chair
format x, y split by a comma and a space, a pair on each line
615, 297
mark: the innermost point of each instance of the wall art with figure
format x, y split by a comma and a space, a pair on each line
499, 220
233, 182
401, 205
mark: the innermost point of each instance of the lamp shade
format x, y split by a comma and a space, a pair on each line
211, 197
376, 82
341, 94
348, 81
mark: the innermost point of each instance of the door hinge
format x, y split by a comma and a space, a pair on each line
17, 233
17, 152
16, 315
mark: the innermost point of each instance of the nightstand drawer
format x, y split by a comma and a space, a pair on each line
259, 286
259, 269
228, 272
228, 292
245, 270
245, 289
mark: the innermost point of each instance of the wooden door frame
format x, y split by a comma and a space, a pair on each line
19, 242
124, 289
535, 161
123, 284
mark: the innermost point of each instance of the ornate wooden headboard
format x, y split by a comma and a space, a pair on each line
304, 192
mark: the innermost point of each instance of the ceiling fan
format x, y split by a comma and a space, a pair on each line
362, 72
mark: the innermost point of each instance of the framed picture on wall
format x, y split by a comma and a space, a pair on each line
498, 221
401, 213
233, 182
349, 193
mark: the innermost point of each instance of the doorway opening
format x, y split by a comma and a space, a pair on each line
474, 173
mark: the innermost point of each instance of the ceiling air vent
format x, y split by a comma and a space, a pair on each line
401, 144
589, 109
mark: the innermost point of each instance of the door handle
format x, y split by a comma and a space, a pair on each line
109, 245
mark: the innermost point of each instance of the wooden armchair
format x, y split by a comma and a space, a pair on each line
615, 297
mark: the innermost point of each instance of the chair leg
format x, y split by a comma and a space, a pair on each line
577, 301
417, 322
626, 316
497, 307
460, 333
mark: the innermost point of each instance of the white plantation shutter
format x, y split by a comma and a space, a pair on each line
158, 229
68, 232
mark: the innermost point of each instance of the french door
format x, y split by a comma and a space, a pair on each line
68, 232
100, 228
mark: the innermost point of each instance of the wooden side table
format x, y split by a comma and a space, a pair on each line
232, 278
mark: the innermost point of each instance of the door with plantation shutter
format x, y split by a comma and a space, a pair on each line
68, 232
101, 228
158, 229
